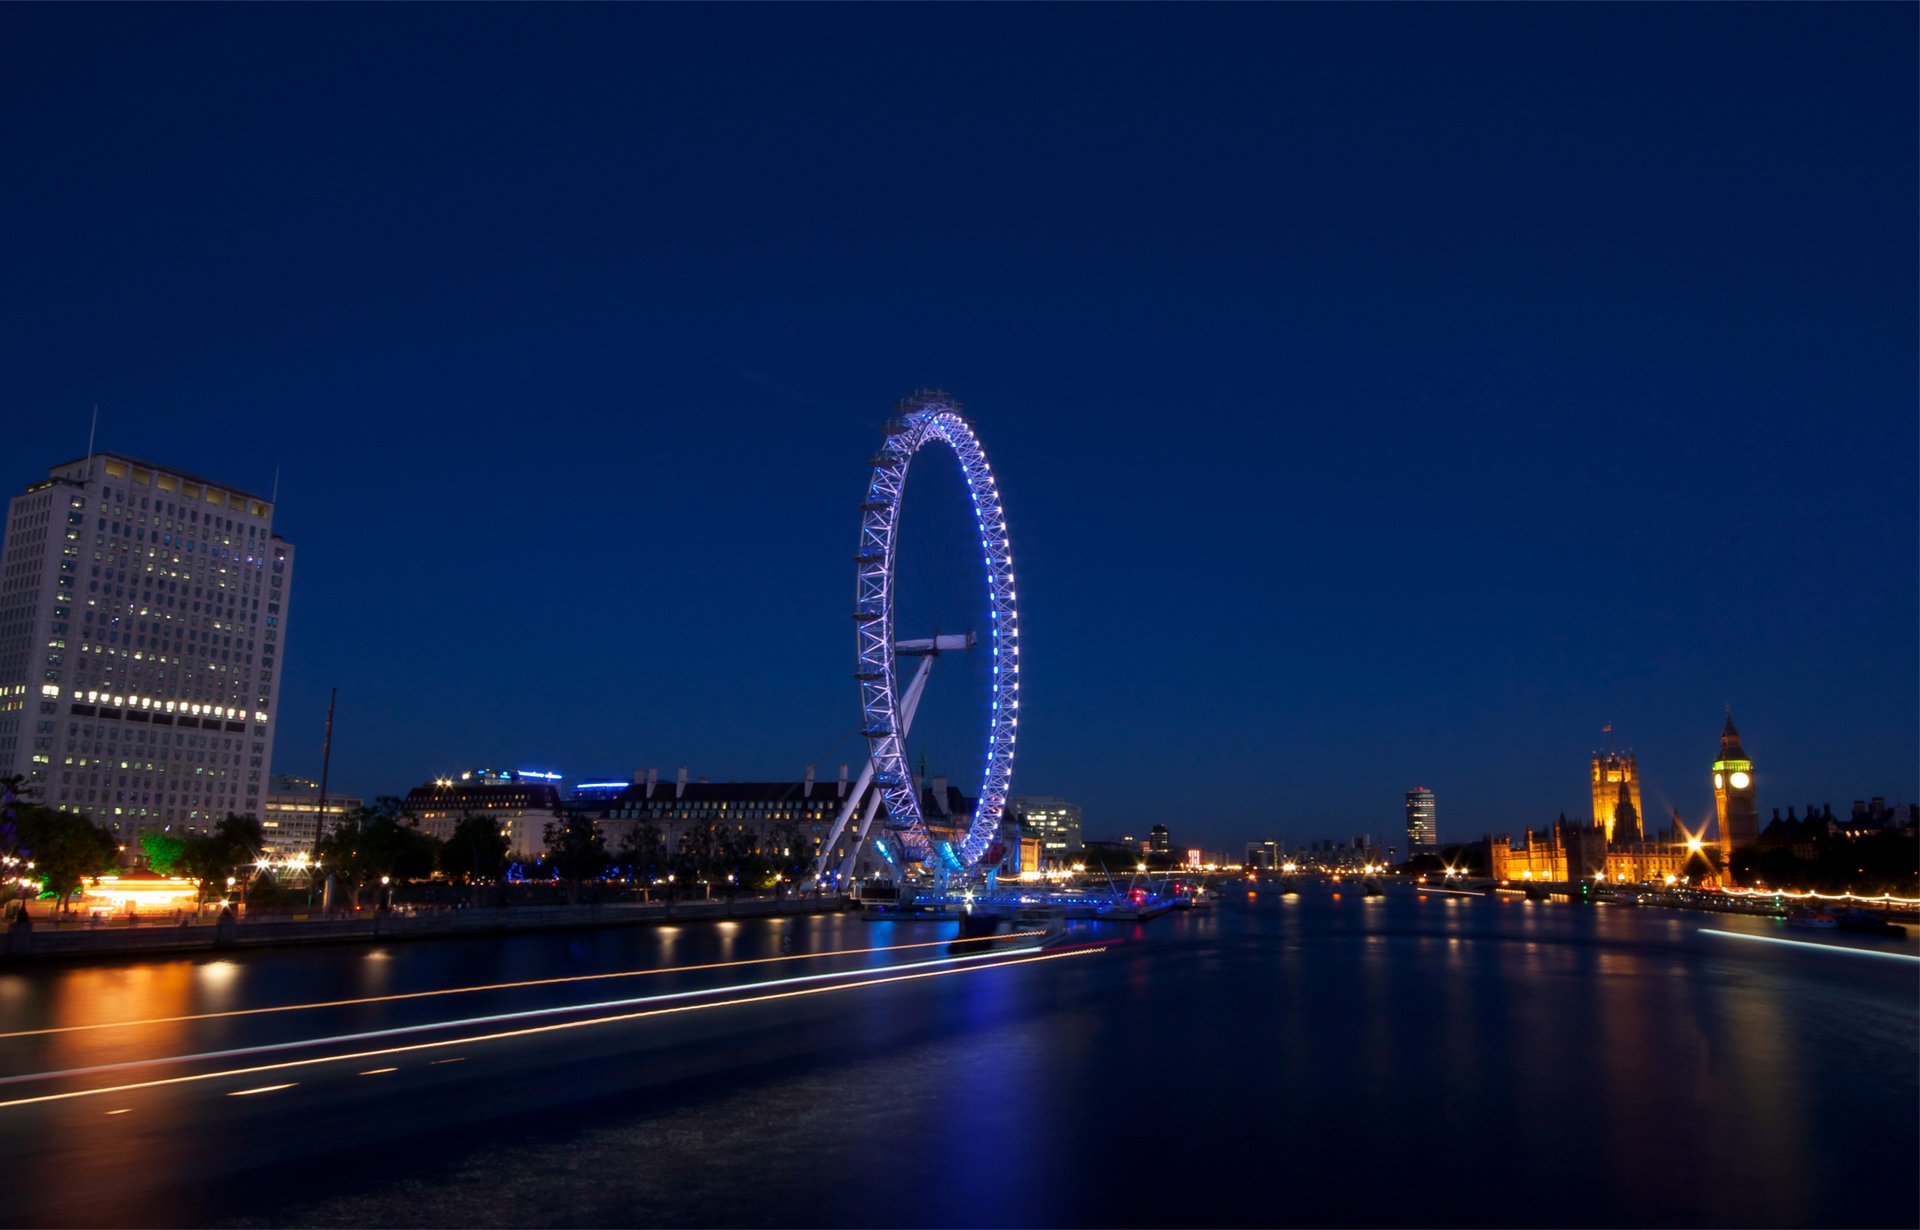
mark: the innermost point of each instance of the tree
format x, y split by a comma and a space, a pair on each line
394, 847
476, 851
212, 858
789, 853
65, 848
165, 851
341, 857
575, 848
702, 853
12, 861
644, 852
382, 839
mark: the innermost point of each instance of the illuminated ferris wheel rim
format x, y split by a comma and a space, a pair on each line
923, 416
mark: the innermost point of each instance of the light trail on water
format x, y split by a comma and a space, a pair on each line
498, 986
530, 1031
1842, 948
492, 1019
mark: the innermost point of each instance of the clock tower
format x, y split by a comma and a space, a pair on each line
1733, 798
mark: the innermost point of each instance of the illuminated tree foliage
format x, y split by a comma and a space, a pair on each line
166, 851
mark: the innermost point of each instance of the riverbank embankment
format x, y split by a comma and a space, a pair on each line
39, 940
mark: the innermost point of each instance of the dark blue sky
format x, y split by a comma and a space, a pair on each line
1382, 396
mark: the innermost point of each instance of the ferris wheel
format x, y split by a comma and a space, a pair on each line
903, 839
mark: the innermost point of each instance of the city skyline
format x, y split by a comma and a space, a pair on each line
574, 474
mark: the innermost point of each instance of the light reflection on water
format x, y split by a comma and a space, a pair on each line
1494, 1061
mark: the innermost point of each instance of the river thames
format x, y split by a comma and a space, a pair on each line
1323, 1059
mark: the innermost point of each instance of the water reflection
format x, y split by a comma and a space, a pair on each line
1591, 1065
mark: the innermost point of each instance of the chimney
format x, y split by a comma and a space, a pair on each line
653, 776
806, 788
680, 787
843, 782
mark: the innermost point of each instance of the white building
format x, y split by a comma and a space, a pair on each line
143, 617
291, 822
522, 804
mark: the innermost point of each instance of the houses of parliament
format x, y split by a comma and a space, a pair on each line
1616, 846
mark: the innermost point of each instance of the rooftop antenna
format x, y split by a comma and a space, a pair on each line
95, 427
275, 497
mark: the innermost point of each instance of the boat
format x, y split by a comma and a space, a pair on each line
1813, 920
1867, 922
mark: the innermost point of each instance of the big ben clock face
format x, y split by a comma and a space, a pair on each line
1740, 781
1719, 782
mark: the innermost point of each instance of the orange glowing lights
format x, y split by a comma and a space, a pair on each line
535, 1030
500, 986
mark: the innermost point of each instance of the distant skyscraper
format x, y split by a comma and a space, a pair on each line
1423, 824
143, 612
1055, 822
1734, 801
1616, 780
1159, 840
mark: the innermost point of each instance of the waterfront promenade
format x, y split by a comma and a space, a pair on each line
50, 938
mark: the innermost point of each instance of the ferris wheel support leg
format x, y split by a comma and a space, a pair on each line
857, 843
848, 806
856, 801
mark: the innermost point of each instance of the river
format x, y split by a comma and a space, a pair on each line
1418, 1059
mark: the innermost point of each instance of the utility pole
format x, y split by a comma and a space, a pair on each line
320, 814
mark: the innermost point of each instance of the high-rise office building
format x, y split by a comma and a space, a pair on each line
1734, 803
1616, 784
1055, 822
143, 615
1423, 826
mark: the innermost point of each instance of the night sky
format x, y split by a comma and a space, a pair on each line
1381, 396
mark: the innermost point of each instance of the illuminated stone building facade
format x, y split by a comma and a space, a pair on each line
521, 805
767, 811
143, 619
1566, 851
1616, 780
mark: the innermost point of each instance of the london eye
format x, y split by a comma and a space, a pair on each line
904, 839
